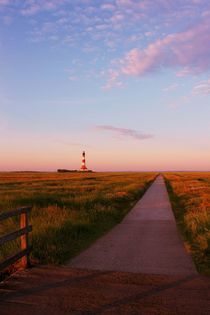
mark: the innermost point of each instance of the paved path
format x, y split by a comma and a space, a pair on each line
146, 241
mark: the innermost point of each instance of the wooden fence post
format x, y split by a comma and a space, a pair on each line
23, 233
24, 239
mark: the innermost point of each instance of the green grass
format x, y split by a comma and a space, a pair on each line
70, 210
190, 197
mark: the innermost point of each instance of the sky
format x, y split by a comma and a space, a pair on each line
127, 81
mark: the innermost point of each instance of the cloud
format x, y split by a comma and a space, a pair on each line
202, 88
190, 48
125, 2
5, 2
107, 6
30, 10
32, 7
184, 72
113, 28
73, 78
113, 81
124, 132
171, 87
148, 34
116, 18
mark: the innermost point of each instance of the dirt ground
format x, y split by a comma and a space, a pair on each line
64, 290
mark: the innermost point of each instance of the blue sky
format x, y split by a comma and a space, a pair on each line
128, 81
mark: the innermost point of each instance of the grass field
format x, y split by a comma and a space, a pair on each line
70, 210
190, 196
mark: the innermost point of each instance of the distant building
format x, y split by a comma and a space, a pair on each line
83, 167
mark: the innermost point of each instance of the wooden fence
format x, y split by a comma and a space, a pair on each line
23, 233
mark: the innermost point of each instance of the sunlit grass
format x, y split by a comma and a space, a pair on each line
70, 210
190, 196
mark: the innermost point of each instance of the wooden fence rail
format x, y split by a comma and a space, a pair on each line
23, 233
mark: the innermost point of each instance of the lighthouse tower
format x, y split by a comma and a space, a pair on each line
83, 166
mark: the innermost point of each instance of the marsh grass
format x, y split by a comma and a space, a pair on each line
190, 197
70, 210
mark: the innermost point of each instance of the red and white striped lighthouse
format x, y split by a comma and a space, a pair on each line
83, 166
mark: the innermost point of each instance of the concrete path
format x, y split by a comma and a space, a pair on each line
146, 241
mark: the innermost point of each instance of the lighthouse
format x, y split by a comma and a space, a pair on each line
83, 166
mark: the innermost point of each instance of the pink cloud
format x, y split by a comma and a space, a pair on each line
51, 5
184, 72
4, 2
31, 10
202, 88
113, 80
35, 6
124, 2
171, 87
190, 48
148, 34
117, 18
73, 78
124, 132
107, 6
